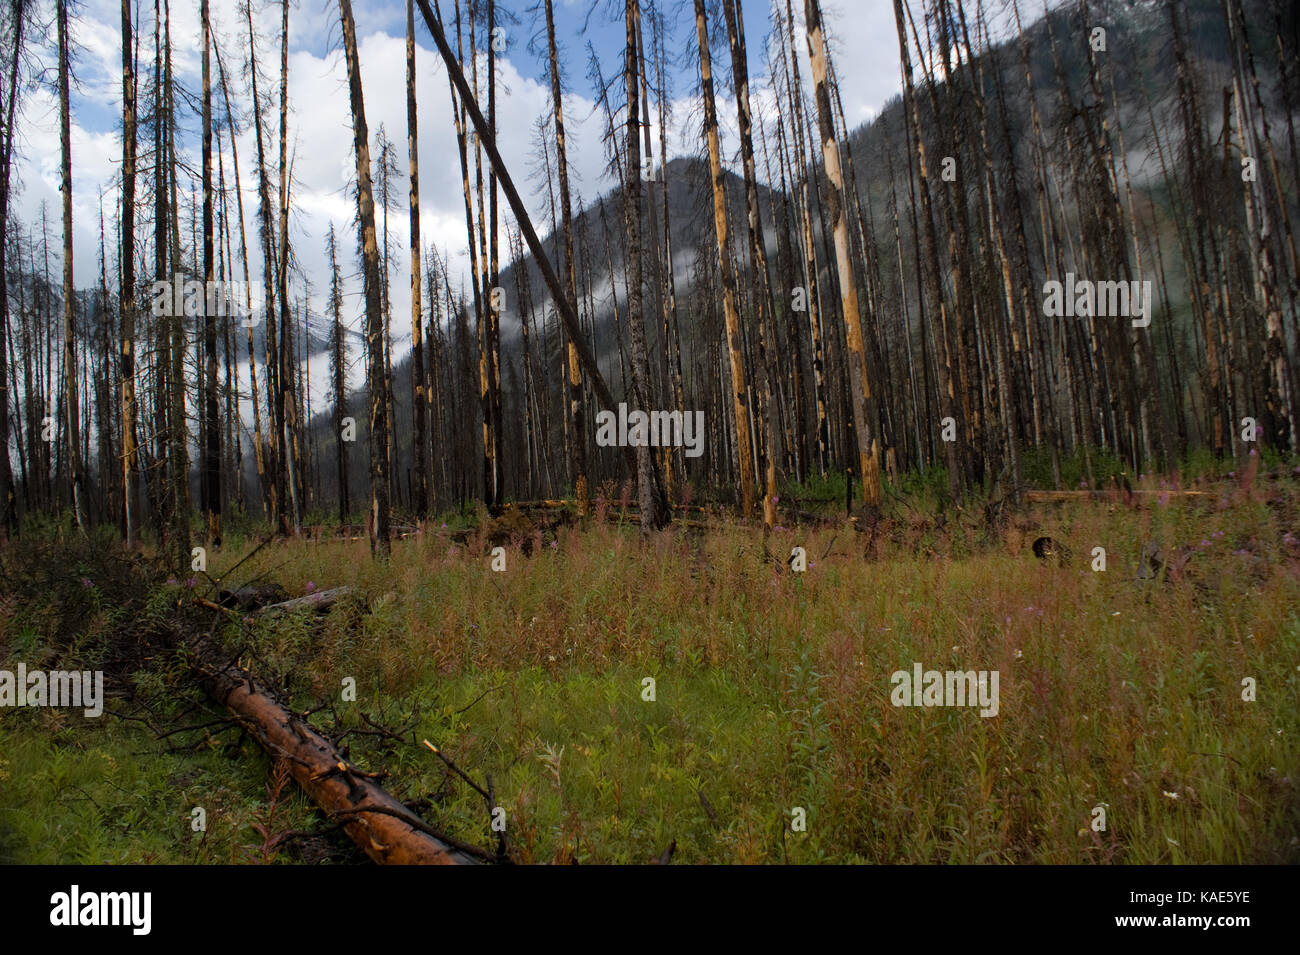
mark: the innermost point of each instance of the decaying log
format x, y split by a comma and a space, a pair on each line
1057, 497
251, 598
635, 519
554, 504
319, 601
382, 827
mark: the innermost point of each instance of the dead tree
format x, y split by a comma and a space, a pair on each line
210, 471
740, 400
71, 409
859, 380
577, 424
654, 505
126, 294
757, 251
338, 374
418, 403
380, 544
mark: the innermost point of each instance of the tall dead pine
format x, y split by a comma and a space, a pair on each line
730, 298
578, 444
126, 295
71, 407
210, 470
418, 403
859, 380
380, 544
654, 506
757, 252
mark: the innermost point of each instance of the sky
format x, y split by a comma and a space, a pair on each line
864, 50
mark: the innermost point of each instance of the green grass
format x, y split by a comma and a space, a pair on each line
772, 691
101, 792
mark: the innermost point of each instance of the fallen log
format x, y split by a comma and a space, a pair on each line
319, 601
382, 827
344, 532
631, 504
252, 598
635, 519
1057, 497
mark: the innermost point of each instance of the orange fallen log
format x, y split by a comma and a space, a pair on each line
382, 827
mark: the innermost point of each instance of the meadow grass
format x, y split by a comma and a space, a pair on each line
771, 692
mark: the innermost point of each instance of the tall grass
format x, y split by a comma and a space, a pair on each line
772, 690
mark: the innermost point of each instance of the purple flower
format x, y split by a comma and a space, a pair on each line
189, 584
1204, 543
172, 581
311, 587
87, 582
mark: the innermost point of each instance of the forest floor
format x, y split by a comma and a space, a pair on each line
1125, 695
